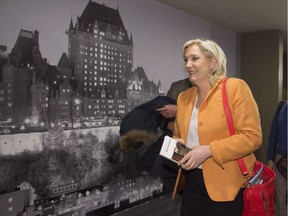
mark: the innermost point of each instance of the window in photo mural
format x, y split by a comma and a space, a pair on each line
59, 149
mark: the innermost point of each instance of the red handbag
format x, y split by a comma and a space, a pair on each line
258, 197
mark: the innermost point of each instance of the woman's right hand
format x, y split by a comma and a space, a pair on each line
195, 157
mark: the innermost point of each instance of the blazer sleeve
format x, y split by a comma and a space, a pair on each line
247, 124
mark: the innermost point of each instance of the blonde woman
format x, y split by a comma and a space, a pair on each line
214, 181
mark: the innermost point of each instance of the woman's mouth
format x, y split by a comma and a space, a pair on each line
192, 72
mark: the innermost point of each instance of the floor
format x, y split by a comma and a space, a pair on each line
163, 206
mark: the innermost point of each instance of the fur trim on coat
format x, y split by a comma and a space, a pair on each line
134, 139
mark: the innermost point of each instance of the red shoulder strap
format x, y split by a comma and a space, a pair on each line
230, 124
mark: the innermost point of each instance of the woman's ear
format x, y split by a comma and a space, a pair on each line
213, 64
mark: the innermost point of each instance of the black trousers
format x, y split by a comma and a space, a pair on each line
196, 202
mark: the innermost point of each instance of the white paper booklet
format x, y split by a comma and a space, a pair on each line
173, 150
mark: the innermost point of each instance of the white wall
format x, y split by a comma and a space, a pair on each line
159, 32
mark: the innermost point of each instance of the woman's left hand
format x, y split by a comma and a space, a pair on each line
195, 157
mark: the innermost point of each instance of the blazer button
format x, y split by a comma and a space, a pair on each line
200, 124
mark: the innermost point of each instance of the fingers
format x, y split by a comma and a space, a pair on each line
193, 159
180, 140
168, 111
182, 162
161, 109
186, 162
190, 163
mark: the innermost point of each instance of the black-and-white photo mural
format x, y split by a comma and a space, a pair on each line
77, 76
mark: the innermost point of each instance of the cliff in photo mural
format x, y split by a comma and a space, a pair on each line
59, 151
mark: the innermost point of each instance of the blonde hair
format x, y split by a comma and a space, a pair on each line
211, 50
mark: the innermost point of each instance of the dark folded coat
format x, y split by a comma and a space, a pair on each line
141, 125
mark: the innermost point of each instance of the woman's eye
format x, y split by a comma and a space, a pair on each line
191, 59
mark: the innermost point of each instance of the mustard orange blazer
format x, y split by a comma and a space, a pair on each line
222, 176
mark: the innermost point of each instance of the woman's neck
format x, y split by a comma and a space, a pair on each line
202, 93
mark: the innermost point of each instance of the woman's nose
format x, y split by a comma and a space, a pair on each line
188, 64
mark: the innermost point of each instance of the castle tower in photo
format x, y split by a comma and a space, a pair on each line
101, 52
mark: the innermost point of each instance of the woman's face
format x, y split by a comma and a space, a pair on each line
197, 65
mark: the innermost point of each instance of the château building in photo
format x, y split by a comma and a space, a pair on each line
94, 84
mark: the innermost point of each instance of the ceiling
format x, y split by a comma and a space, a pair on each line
241, 16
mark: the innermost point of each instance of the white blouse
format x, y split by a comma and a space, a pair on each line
192, 136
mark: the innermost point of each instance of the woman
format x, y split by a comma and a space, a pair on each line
214, 183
